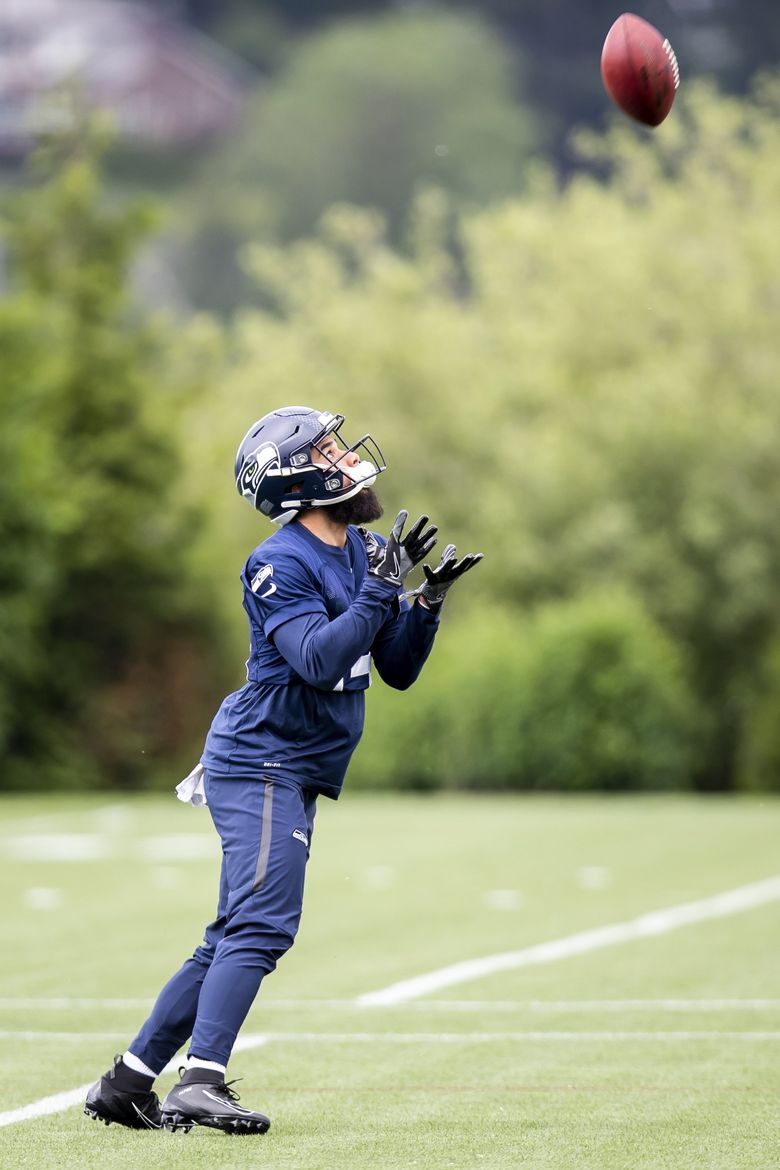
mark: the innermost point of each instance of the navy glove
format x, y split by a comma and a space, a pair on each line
399, 556
444, 576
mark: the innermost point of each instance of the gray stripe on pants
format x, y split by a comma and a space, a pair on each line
265, 837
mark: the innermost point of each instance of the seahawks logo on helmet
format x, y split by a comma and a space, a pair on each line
257, 465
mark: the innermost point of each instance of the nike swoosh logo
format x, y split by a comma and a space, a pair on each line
226, 1104
146, 1120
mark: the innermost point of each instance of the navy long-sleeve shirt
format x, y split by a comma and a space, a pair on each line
317, 620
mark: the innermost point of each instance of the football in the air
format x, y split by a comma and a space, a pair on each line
639, 69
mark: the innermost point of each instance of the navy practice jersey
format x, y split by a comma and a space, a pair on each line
316, 620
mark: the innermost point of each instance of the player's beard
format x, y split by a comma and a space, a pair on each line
360, 509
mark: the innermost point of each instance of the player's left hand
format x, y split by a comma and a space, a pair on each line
444, 576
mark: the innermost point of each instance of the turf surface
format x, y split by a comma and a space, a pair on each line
659, 1052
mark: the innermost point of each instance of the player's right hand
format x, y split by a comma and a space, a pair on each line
401, 553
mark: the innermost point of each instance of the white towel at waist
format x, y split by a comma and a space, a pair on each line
191, 790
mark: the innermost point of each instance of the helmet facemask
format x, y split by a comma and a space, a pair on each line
355, 478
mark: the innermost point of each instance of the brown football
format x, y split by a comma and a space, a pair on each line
639, 69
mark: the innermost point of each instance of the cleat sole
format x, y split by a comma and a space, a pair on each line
97, 1115
237, 1125
177, 1123
93, 1113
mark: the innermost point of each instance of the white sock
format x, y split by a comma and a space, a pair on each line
137, 1065
196, 1062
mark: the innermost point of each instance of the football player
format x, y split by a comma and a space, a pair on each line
325, 599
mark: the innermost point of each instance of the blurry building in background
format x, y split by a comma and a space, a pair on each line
164, 84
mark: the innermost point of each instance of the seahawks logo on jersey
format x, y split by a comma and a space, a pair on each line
262, 578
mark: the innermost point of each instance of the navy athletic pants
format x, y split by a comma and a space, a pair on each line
265, 826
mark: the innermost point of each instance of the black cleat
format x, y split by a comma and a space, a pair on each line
211, 1103
137, 1109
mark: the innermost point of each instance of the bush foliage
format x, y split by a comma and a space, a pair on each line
584, 388
368, 109
587, 392
97, 616
583, 694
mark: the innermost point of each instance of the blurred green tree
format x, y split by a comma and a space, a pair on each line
368, 110
589, 396
102, 639
559, 41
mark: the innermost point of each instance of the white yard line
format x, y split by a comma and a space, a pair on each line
646, 926
512, 1037
86, 847
57, 1103
256, 1041
650, 925
514, 1006
28, 1034
593, 1006
68, 1003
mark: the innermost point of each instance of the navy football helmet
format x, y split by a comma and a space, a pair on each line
275, 471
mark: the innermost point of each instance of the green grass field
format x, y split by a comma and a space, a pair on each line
657, 1051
